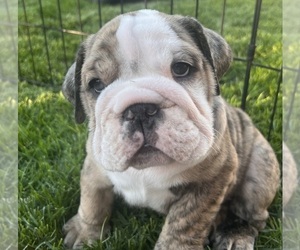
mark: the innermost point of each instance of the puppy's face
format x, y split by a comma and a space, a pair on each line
147, 82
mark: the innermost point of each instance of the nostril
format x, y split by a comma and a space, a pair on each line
140, 111
141, 117
129, 116
151, 110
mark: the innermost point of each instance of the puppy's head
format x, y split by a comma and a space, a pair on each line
147, 82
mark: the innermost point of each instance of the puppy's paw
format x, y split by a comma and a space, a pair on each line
78, 233
236, 234
233, 242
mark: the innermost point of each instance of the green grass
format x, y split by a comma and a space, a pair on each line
51, 145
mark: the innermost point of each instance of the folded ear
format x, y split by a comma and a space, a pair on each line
220, 51
68, 87
72, 84
79, 111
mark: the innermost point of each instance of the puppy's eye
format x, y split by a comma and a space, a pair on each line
97, 85
181, 69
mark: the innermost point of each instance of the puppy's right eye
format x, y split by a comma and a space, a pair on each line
96, 85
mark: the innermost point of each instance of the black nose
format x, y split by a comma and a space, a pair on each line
142, 115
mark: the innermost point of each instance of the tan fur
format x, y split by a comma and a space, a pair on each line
223, 195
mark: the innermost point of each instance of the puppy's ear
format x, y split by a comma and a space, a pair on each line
72, 84
79, 111
220, 51
213, 47
68, 87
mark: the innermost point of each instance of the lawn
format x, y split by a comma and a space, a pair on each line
51, 145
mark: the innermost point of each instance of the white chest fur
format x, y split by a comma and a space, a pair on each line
145, 188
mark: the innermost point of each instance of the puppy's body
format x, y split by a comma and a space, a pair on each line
162, 137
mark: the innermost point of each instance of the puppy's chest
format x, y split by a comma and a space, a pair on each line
143, 188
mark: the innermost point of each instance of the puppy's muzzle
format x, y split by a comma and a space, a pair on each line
142, 117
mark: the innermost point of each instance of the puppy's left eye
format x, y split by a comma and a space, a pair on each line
97, 85
181, 69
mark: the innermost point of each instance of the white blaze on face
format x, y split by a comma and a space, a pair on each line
145, 52
146, 42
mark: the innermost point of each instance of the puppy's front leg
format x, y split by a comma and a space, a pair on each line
190, 218
94, 210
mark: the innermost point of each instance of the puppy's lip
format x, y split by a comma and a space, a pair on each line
149, 156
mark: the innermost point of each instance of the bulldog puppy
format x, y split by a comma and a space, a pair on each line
161, 136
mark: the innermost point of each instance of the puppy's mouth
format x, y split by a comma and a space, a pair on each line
149, 156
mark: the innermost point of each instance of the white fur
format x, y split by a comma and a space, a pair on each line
148, 41
147, 187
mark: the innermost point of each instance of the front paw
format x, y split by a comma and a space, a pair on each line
78, 233
235, 239
234, 242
